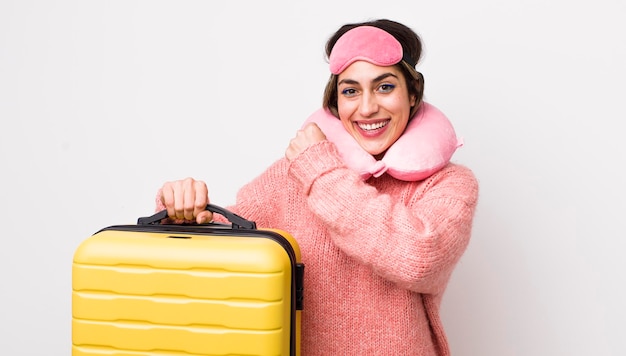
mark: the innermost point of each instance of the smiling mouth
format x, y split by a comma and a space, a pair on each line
374, 126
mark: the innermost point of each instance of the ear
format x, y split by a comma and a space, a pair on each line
413, 100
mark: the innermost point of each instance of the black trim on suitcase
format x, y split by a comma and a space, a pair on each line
241, 226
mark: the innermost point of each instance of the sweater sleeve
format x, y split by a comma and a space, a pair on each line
413, 238
263, 198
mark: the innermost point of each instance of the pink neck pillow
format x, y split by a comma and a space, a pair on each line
425, 147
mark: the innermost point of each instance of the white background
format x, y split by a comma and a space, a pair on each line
103, 101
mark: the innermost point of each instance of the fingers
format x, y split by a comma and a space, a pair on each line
201, 198
167, 198
305, 137
186, 206
315, 132
185, 199
292, 150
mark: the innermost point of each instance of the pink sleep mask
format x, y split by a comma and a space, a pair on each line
365, 43
426, 146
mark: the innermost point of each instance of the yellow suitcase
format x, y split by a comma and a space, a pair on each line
166, 290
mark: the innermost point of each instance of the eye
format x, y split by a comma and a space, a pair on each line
386, 88
348, 92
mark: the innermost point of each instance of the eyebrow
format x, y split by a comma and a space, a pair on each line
377, 79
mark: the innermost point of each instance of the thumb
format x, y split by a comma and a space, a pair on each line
204, 217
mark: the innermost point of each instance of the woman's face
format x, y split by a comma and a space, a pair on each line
373, 104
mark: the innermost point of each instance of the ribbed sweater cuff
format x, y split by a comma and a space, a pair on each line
313, 162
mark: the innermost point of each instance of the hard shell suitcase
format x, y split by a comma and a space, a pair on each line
160, 289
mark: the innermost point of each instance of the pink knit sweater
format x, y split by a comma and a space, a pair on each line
378, 254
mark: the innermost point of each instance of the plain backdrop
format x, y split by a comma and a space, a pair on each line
101, 102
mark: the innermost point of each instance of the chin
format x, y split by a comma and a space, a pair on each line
376, 153
373, 148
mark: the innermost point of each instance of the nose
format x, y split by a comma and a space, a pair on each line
369, 105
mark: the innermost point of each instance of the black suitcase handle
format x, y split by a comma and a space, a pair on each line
237, 221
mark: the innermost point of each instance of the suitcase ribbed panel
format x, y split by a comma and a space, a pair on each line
147, 293
159, 338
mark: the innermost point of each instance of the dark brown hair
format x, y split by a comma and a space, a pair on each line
411, 47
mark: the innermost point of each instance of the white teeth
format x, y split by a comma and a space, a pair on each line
369, 127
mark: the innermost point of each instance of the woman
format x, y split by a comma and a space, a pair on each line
378, 251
